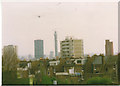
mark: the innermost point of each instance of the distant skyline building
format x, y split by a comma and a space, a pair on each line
108, 48
51, 56
30, 56
39, 49
71, 48
56, 46
46, 56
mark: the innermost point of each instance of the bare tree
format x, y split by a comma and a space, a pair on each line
9, 58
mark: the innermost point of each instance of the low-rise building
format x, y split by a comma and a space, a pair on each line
62, 73
22, 72
97, 66
71, 71
80, 61
54, 63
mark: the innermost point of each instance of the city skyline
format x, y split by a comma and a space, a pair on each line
92, 22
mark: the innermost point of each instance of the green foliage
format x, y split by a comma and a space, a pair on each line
101, 55
119, 68
35, 65
23, 81
66, 81
99, 80
10, 78
42, 78
53, 78
46, 80
60, 66
23, 64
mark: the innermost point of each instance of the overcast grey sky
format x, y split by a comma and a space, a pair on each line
93, 22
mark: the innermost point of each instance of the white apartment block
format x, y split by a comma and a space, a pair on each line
54, 63
72, 48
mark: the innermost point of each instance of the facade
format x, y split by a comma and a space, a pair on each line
39, 49
56, 47
9, 58
61, 73
54, 63
72, 48
80, 61
108, 48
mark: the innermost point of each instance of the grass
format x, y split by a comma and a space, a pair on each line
99, 81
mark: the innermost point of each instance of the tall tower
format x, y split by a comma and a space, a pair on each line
39, 49
108, 48
56, 49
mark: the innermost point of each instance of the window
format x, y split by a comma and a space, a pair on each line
78, 61
48, 73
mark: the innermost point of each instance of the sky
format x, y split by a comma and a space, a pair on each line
94, 22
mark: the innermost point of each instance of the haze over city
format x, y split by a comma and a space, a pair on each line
91, 21
60, 43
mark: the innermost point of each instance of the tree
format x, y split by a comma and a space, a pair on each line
88, 67
119, 68
60, 66
41, 77
35, 65
23, 64
101, 55
9, 58
95, 55
9, 64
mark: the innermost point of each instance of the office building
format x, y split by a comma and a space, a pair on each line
108, 48
56, 47
71, 48
39, 49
